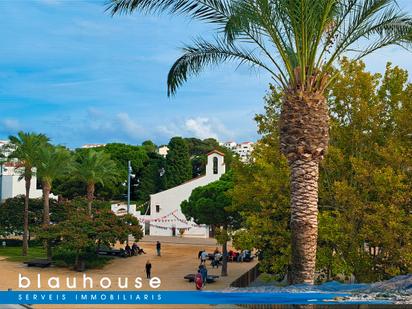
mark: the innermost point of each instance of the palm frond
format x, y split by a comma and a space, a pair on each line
379, 23
299, 39
214, 11
203, 54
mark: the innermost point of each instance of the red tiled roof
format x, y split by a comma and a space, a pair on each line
216, 151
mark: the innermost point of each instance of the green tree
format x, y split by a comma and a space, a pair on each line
178, 167
365, 181
262, 199
26, 147
82, 234
210, 205
152, 178
94, 167
198, 150
12, 215
297, 43
52, 163
149, 146
365, 196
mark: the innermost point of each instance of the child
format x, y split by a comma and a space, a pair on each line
198, 280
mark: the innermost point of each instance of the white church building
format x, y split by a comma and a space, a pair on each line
166, 217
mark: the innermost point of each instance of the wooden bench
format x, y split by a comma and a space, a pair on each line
38, 263
210, 278
112, 252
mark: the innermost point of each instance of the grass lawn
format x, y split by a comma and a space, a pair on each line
14, 253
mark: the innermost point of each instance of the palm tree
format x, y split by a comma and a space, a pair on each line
52, 162
25, 151
297, 42
95, 167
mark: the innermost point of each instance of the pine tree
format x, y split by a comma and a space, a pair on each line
178, 166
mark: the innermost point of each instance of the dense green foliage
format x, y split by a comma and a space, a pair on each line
78, 236
365, 222
148, 169
151, 176
178, 166
261, 194
211, 205
11, 215
366, 191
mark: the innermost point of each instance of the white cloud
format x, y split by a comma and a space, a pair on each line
11, 124
129, 126
200, 127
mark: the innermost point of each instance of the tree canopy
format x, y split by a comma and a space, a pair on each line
365, 222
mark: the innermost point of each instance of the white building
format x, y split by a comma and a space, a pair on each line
166, 217
244, 150
93, 145
230, 145
163, 150
11, 186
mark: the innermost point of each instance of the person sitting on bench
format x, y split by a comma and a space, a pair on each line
128, 250
141, 251
135, 249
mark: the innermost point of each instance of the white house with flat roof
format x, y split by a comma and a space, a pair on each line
244, 150
166, 217
163, 150
12, 186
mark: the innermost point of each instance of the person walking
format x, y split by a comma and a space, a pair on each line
158, 247
203, 257
203, 272
148, 269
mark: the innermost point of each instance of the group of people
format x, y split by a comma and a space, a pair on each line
216, 257
134, 250
236, 256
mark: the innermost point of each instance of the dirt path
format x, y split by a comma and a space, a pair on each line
176, 261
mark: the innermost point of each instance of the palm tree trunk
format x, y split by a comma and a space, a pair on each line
27, 180
90, 196
304, 137
46, 214
304, 220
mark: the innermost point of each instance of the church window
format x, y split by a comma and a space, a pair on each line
215, 167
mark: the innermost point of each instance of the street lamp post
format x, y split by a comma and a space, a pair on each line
129, 171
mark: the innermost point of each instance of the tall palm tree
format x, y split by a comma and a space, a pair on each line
297, 42
25, 152
95, 167
52, 162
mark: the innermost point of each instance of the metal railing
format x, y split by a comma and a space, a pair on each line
247, 278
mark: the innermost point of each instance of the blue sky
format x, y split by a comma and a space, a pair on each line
71, 71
